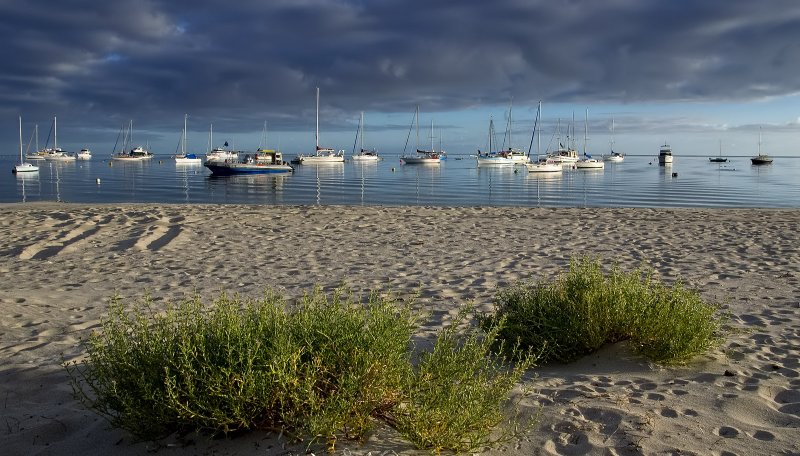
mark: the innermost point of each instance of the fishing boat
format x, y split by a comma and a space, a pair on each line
183, 158
84, 154
264, 161
23, 166
363, 155
321, 154
423, 157
665, 155
546, 164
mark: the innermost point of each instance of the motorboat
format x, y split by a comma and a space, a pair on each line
264, 161
665, 155
84, 154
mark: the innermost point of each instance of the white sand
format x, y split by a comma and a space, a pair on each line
60, 264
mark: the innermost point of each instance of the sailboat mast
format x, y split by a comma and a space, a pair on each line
20, 139
362, 131
612, 133
432, 135
585, 130
55, 133
183, 143
316, 133
416, 117
37, 137
539, 136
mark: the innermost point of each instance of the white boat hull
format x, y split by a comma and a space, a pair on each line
544, 167
421, 160
314, 159
365, 158
25, 168
665, 159
589, 164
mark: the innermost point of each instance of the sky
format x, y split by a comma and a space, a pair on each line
699, 75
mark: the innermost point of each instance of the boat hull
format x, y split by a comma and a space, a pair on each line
229, 169
420, 161
365, 158
25, 168
321, 158
541, 167
589, 164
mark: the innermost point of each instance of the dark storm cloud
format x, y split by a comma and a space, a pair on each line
102, 62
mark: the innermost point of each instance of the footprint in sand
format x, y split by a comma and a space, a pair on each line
68, 238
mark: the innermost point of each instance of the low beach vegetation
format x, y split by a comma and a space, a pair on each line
584, 309
320, 369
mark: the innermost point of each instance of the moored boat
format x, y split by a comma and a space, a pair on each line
423, 157
321, 154
84, 154
761, 158
264, 161
665, 155
23, 166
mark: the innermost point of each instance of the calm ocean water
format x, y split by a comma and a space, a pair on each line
637, 182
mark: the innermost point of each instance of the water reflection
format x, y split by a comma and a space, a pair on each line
28, 185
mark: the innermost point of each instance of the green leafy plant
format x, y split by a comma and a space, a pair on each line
321, 369
584, 309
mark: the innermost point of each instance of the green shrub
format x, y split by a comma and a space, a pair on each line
456, 395
584, 309
321, 369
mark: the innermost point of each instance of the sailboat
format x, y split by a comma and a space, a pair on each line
587, 162
761, 159
364, 154
565, 155
507, 156
38, 154
138, 153
614, 157
719, 158
22, 166
183, 158
423, 157
322, 154
56, 154
218, 153
492, 158
541, 165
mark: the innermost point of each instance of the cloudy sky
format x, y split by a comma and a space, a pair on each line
692, 73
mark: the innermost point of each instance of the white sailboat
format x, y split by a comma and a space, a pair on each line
613, 157
218, 153
183, 158
322, 154
587, 162
364, 154
22, 166
38, 154
507, 156
541, 165
423, 157
490, 157
56, 154
138, 153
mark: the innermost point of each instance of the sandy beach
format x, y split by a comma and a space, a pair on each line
61, 263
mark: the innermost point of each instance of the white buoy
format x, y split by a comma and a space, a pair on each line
98, 181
